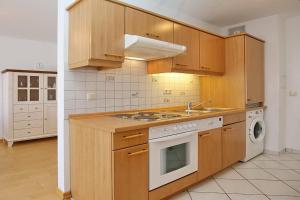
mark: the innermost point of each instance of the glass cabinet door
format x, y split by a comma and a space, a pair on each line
50, 88
21, 91
34, 88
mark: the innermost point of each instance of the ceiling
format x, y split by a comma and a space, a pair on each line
31, 19
222, 12
36, 19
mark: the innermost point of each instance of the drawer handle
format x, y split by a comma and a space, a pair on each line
152, 35
226, 129
28, 132
28, 116
21, 108
113, 55
138, 152
28, 124
133, 136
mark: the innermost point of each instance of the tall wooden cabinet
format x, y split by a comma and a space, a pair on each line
29, 105
96, 34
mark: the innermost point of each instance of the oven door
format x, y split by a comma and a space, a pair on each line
172, 157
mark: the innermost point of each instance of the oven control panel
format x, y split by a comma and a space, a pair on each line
184, 127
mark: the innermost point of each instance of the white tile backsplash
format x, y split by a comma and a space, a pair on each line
129, 87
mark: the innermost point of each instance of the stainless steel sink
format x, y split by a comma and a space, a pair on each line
206, 110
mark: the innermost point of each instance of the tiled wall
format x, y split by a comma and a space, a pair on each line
129, 87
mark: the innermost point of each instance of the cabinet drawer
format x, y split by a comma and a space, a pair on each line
36, 108
20, 108
28, 124
238, 117
130, 138
28, 132
28, 116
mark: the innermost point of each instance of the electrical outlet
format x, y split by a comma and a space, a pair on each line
91, 96
110, 78
167, 92
293, 93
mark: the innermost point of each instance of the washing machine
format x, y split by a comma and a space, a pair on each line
255, 133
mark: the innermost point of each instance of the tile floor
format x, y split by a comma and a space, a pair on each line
266, 177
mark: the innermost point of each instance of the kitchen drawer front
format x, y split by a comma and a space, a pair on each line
130, 138
36, 108
20, 108
28, 132
234, 118
28, 116
28, 124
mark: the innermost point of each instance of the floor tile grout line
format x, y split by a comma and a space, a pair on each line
252, 184
292, 187
221, 187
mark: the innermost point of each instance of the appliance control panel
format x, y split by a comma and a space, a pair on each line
184, 127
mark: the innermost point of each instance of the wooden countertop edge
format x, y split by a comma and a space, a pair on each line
256, 108
29, 71
82, 121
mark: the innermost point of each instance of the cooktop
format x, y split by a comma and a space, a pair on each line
148, 116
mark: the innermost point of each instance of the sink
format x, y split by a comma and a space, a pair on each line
205, 110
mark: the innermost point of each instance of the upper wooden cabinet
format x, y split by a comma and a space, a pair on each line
96, 34
254, 65
188, 37
147, 25
212, 53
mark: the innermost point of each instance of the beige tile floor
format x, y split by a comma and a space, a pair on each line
266, 177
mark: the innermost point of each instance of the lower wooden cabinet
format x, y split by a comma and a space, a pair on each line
210, 153
233, 143
131, 173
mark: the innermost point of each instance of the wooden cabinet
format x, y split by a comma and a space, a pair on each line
254, 65
188, 37
210, 153
147, 25
131, 173
96, 34
212, 53
233, 143
29, 99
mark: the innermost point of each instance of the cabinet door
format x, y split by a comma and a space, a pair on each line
212, 53
146, 25
210, 153
50, 119
131, 173
254, 62
28, 88
107, 31
50, 88
233, 143
190, 38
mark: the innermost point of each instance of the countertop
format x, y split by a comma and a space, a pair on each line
112, 124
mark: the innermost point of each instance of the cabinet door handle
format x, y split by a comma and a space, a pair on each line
205, 135
181, 65
113, 55
133, 136
138, 152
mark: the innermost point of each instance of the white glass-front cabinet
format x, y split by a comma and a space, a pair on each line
29, 104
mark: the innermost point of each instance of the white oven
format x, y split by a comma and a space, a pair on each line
173, 150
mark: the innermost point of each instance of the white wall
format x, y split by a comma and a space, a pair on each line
20, 53
270, 30
292, 29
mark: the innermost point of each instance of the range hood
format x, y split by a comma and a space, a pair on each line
142, 48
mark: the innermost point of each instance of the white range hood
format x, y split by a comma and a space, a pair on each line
142, 48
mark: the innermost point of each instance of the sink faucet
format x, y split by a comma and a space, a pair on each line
191, 107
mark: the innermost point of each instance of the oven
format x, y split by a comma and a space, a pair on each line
172, 157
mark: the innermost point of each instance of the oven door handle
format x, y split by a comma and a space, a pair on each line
173, 137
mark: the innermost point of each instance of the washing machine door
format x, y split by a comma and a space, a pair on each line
257, 130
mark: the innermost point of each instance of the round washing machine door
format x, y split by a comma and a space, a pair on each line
257, 130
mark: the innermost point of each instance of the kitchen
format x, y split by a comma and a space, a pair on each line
230, 76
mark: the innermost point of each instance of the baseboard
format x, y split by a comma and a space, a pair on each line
64, 195
271, 152
290, 150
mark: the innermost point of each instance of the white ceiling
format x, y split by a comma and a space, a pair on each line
36, 19
31, 19
222, 12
